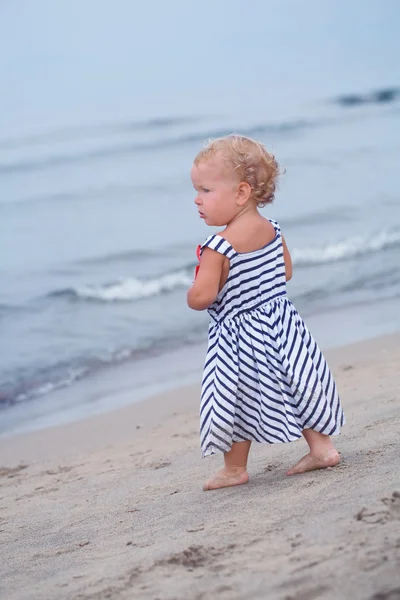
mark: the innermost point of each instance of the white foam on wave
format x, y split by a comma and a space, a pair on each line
134, 289
343, 250
131, 288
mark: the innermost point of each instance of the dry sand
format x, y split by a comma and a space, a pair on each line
113, 507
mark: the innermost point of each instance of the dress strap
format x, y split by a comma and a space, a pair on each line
276, 226
219, 244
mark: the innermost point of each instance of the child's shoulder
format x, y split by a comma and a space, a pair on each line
252, 236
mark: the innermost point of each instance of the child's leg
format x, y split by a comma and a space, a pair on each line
235, 469
322, 453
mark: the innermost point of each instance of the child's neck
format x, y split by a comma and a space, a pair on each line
249, 214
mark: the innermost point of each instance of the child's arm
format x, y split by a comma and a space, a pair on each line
288, 260
206, 286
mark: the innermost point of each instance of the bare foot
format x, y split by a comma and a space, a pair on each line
226, 479
310, 462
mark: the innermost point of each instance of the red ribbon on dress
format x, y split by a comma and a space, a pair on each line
198, 254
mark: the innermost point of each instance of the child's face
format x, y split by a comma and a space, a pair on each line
216, 193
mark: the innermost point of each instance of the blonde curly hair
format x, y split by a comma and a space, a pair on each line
250, 161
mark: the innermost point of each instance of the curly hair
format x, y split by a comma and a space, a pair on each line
251, 162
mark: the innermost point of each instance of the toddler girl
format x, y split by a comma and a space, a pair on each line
265, 379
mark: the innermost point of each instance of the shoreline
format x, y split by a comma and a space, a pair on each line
102, 509
133, 382
94, 432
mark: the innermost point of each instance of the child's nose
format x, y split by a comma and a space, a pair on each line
197, 200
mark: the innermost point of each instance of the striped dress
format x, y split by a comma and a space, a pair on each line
265, 379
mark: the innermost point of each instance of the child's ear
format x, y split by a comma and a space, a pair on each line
243, 193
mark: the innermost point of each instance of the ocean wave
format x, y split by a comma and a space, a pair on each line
345, 249
96, 130
339, 214
381, 96
110, 148
35, 383
93, 194
132, 289
23, 386
127, 148
38, 387
128, 289
76, 133
6, 309
387, 278
385, 283
118, 257
27, 386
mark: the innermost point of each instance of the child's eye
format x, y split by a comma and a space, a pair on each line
206, 190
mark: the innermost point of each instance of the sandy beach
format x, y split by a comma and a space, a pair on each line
113, 507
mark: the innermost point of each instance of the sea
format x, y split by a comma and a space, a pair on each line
103, 107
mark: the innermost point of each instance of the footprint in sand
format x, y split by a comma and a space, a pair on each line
11, 472
57, 471
195, 529
387, 509
159, 464
193, 557
309, 593
391, 595
272, 467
